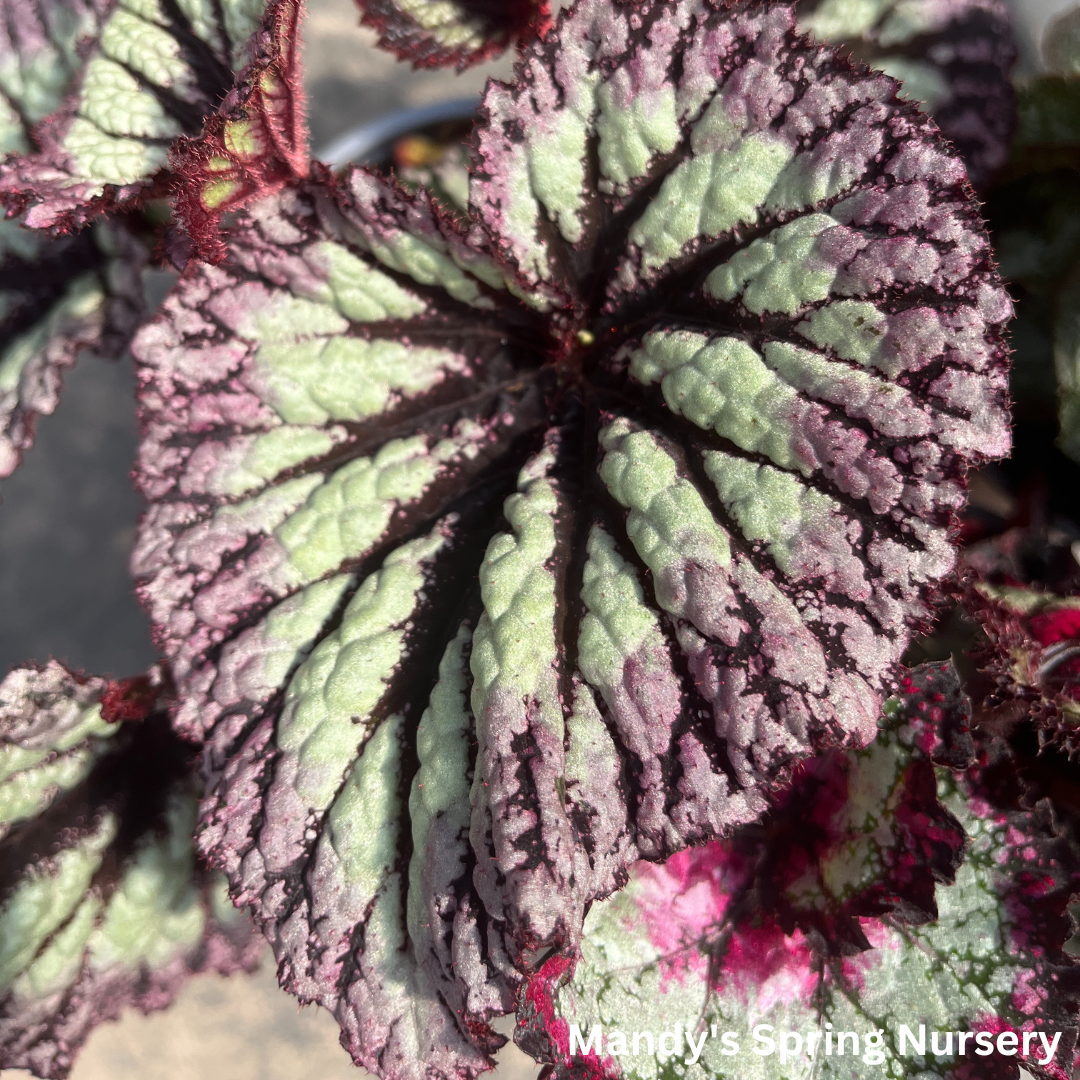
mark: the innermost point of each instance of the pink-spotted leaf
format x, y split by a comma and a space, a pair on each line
57, 298
539, 541
102, 904
953, 56
695, 947
101, 90
458, 33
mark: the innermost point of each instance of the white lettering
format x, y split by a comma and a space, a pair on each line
964, 1037
616, 1043
790, 1046
1029, 1038
1049, 1047
1007, 1043
938, 1052
731, 1044
841, 1036
760, 1036
586, 1047
985, 1043
638, 1035
918, 1045
874, 1043
696, 1050
676, 1042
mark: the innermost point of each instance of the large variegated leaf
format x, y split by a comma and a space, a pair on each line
101, 903
696, 948
101, 90
953, 56
58, 297
491, 557
460, 33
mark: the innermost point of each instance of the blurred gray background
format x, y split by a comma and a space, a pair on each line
67, 525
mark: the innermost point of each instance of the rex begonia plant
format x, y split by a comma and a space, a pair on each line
536, 583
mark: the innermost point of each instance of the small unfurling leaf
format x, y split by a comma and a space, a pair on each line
102, 90
255, 142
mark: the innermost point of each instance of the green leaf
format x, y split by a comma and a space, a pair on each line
102, 904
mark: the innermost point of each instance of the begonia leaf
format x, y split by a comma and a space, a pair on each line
458, 33
953, 56
101, 90
256, 142
101, 902
491, 555
691, 949
58, 297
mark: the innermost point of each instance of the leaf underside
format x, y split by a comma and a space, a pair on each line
492, 556
709, 944
952, 56
101, 903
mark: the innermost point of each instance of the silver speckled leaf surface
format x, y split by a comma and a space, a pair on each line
954, 57
490, 555
102, 903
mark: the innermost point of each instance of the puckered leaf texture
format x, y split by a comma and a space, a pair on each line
953, 56
492, 555
95, 93
101, 902
458, 33
698, 948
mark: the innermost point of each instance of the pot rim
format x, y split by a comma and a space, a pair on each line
359, 143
